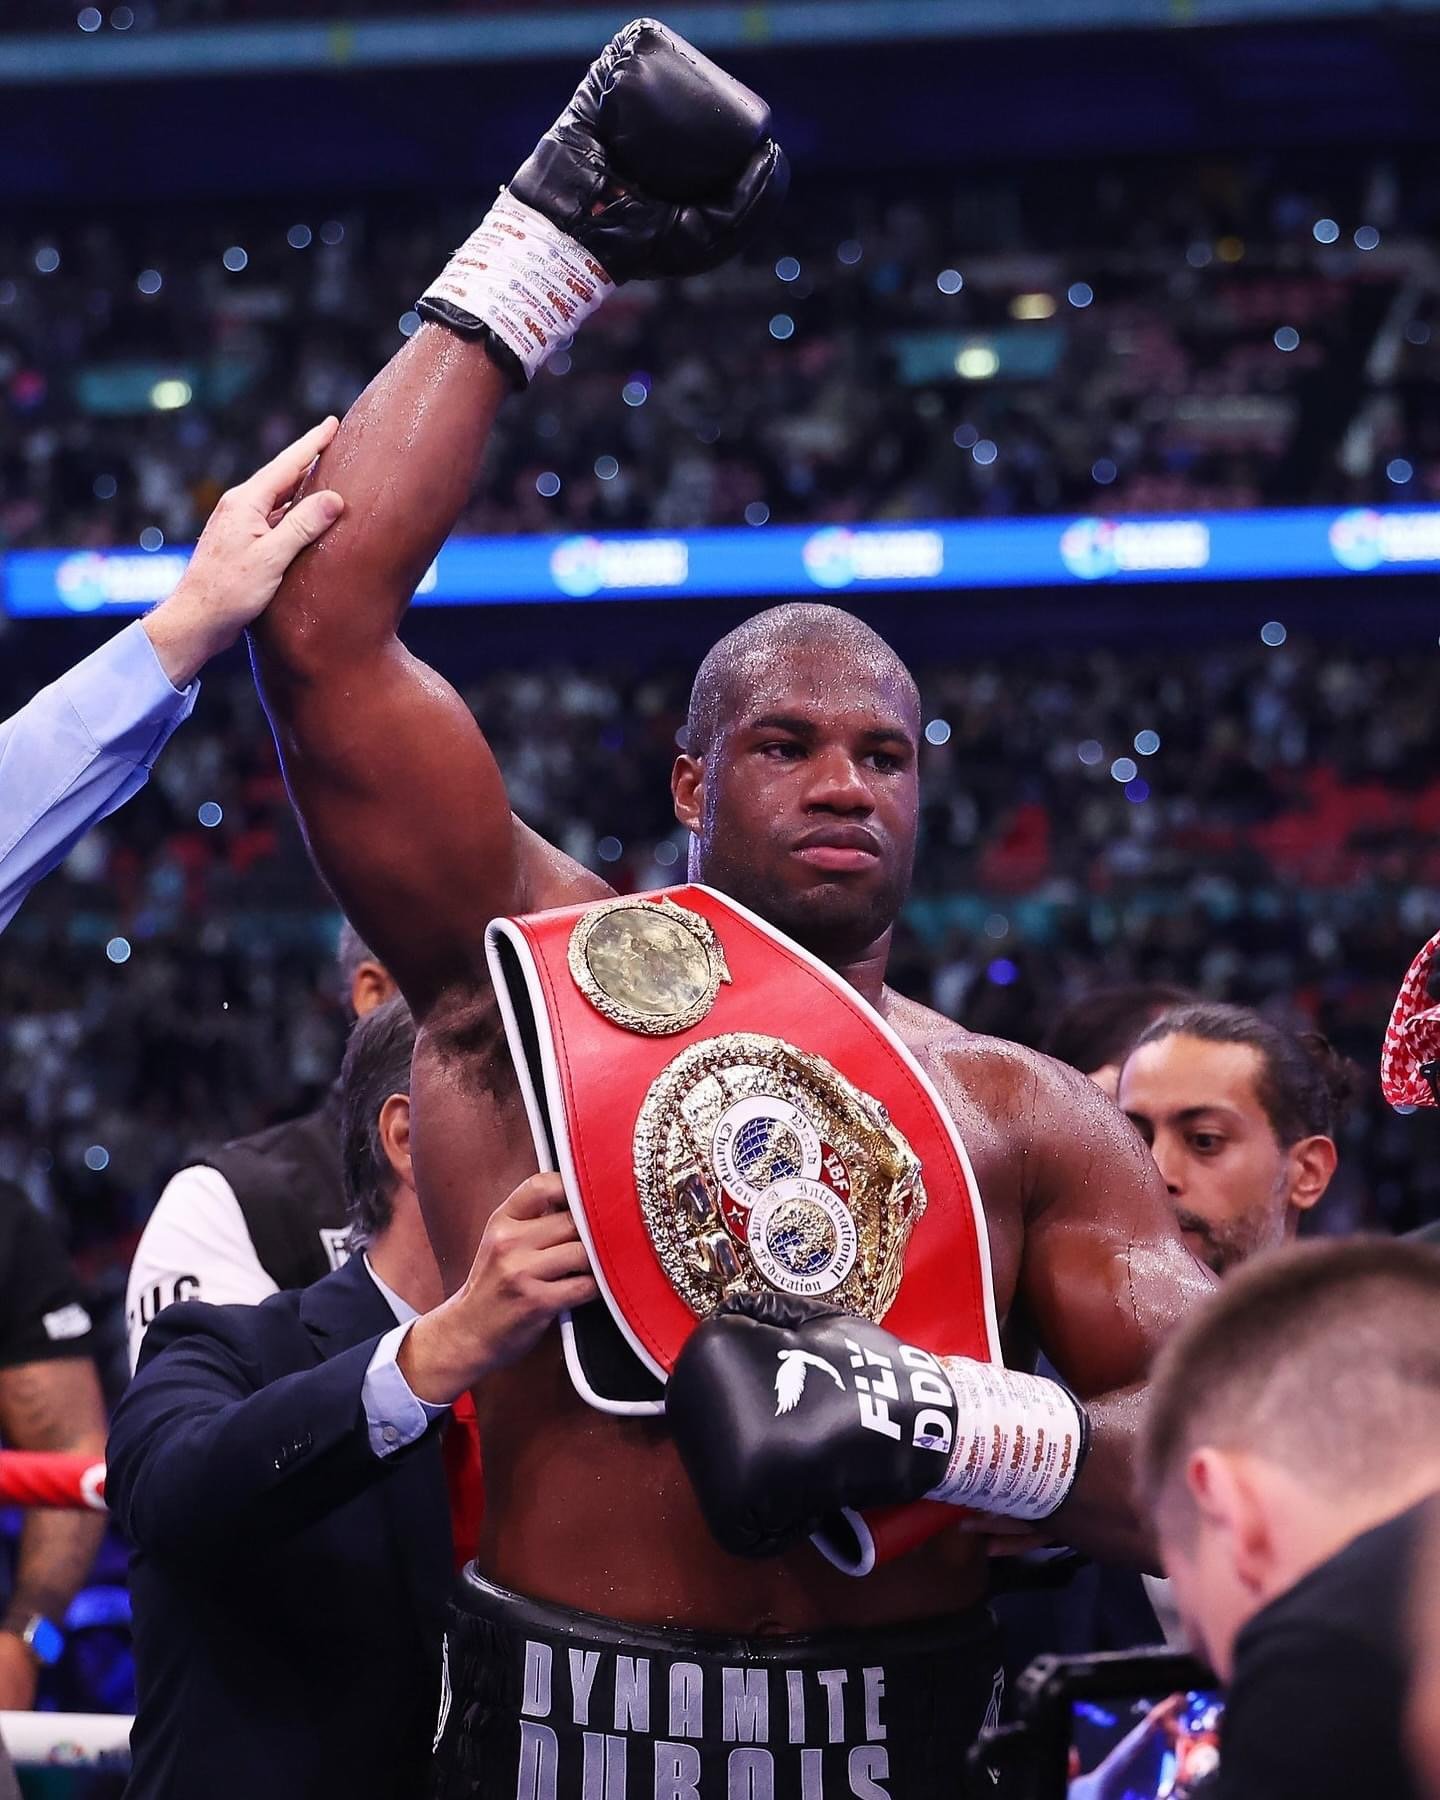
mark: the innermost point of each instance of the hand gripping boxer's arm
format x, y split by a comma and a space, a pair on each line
661, 165
784, 1412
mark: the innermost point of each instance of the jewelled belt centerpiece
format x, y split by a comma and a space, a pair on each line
759, 1165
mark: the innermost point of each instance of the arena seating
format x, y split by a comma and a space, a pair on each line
1098, 339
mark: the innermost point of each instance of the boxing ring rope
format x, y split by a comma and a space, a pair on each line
56, 1740
51, 1478
59, 1740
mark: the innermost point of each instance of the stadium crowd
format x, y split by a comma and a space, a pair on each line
1261, 828
1110, 340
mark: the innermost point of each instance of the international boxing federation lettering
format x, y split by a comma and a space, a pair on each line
759, 1165
649, 1727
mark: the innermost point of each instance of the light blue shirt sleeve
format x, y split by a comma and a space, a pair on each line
78, 750
394, 1415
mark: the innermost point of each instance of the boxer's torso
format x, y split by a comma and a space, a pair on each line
587, 1510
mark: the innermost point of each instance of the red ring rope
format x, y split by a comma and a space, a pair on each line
51, 1478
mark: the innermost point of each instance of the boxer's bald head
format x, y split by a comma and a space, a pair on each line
798, 780
743, 661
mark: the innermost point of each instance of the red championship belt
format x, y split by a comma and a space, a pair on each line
729, 1114
1410, 1056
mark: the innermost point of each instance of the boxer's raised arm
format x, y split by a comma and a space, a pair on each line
661, 164
1105, 1277
400, 798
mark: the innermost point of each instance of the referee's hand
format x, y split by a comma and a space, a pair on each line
254, 534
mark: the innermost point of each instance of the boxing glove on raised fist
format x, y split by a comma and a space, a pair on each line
662, 164
785, 1413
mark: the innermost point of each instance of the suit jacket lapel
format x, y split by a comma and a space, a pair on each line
344, 1308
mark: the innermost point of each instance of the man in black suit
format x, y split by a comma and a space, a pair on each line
282, 1483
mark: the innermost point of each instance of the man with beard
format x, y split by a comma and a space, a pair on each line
1240, 1115
601, 1638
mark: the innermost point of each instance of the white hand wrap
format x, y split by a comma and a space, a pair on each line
521, 276
1018, 1444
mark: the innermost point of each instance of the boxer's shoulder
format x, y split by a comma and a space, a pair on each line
549, 878
987, 1068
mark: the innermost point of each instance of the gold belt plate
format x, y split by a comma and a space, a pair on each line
760, 1165
651, 966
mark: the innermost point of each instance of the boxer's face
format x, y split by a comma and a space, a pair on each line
1235, 1188
804, 807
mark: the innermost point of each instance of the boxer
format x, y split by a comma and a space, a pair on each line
603, 1644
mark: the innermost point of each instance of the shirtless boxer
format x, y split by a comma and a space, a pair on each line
799, 787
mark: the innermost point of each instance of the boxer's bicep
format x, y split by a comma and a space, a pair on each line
1105, 1274
405, 812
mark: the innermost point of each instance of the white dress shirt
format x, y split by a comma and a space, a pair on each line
395, 1416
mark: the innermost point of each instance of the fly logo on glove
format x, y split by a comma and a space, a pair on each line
931, 1428
859, 1419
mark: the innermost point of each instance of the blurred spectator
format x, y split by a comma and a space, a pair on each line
1292, 1438
264, 1212
1096, 1031
1241, 1117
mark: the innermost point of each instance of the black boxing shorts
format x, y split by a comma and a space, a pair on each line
541, 1703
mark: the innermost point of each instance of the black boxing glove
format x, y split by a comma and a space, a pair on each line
786, 1413
662, 164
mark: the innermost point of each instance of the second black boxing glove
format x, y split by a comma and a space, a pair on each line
662, 164
785, 1413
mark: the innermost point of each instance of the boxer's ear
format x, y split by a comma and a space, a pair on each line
687, 788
